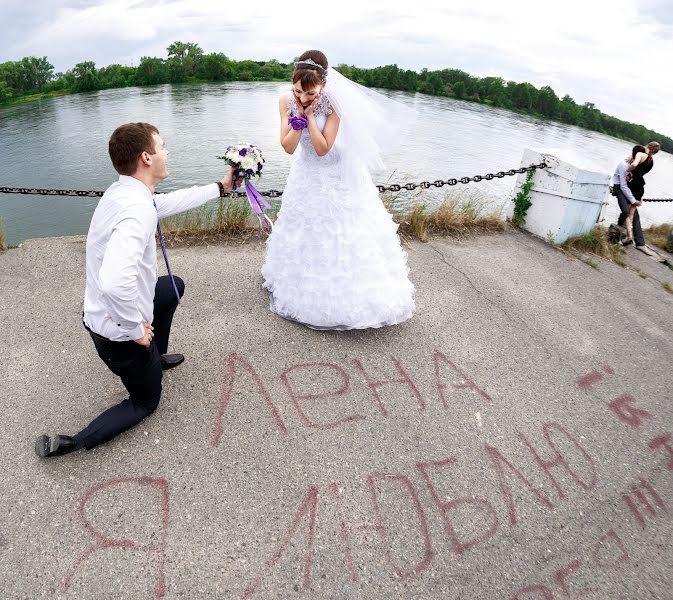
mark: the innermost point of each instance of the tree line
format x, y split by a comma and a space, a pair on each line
186, 62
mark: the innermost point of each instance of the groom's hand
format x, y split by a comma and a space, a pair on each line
146, 340
228, 180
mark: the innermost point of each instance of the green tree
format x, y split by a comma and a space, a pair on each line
433, 83
345, 70
215, 67
492, 91
85, 77
10, 74
151, 71
459, 90
35, 73
6, 92
184, 59
548, 103
247, 70
569, 112
590, 116
522, 95
278, 70
117, 76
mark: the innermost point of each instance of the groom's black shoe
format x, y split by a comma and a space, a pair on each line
54, 446
169, 361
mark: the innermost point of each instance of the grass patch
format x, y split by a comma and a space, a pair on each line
211, 222
658, 235
3, 239
596, 242
460, 215
667, 287
37, 96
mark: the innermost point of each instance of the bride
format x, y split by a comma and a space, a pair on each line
334, 260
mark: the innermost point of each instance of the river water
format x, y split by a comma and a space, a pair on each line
62, 143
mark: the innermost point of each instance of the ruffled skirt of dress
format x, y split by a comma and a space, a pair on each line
334, 260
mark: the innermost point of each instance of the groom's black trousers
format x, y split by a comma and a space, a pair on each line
624, 206
139, 369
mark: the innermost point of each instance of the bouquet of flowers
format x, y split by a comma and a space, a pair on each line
248, 161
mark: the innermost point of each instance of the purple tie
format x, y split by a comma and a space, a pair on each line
162, 243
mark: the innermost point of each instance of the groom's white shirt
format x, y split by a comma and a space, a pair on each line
121, 255
620, 179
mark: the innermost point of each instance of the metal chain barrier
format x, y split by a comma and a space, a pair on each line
98, 194
393, 187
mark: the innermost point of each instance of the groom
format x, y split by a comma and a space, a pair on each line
128, 310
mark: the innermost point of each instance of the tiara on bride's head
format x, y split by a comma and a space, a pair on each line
308, 62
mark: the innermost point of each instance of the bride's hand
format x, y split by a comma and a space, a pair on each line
310, 109
300, 109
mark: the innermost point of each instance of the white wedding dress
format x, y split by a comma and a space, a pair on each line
334, 260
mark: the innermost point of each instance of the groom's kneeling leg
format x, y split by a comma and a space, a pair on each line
165, 304
141, 375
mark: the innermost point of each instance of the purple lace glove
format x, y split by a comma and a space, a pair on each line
298, 122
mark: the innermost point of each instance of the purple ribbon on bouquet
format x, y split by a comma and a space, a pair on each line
297, 122
258, 203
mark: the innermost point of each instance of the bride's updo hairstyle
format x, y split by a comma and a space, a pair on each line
310, 69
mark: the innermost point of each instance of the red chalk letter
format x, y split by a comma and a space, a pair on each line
308, 507
103, 542
459, 546
641, 501
664, 441
298, 398
375, 385
344, 530
602, 546
624, 407
383, 532
498, 460
227, 389
559, 461
467, 383
541, 592
563, 573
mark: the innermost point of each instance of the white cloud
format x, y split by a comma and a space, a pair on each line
611, 57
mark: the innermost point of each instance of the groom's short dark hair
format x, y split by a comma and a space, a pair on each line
127, 143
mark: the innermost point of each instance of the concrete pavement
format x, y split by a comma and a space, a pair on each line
512, 440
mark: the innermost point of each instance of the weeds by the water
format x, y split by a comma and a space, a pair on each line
222, 220
522, 200
3, 240
658, 235
460, 214
595, 242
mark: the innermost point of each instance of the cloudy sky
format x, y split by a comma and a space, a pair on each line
616, 55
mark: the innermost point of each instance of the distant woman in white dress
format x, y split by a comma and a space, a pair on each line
334, 260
